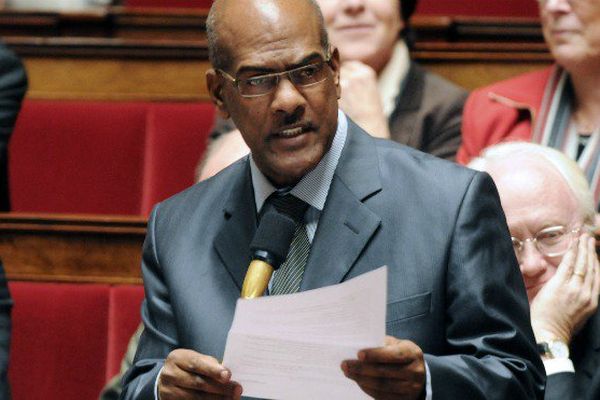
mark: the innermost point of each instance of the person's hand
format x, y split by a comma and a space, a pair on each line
570, 297
361, 100
394, 371
190, 375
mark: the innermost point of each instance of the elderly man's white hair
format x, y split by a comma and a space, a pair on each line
505, 153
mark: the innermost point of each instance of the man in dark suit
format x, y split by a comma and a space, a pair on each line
457, 315
549, 209
13, 85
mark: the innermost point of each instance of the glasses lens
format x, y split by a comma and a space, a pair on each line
257, 85
309, 74
553, 241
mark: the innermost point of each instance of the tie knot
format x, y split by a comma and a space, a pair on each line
289, 205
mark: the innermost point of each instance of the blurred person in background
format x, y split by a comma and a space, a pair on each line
558, 106
550, 213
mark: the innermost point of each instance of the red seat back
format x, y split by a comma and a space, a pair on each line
59, 341
77, 157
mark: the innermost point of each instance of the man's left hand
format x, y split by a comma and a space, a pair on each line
394, 371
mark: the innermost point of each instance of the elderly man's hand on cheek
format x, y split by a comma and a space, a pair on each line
570, 297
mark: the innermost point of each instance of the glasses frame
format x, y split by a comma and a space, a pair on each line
235, 81
534, 240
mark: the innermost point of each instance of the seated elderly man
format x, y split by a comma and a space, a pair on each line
383, 90
549, 210
558, 106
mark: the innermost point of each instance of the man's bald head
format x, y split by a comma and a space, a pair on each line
226, 13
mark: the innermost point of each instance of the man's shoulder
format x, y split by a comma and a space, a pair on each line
400, 166
398, 161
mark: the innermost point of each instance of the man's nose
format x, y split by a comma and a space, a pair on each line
287, 98
556, 5
353, 6
531, 261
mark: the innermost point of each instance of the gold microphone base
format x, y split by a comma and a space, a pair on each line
256, 280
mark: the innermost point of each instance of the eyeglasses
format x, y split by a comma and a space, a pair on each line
260, 85
552, 241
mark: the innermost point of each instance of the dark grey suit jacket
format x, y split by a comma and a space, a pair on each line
454, 285
428, 113
584, 384
13, 85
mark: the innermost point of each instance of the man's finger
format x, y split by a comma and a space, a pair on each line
401, 352
201, 364
396, 371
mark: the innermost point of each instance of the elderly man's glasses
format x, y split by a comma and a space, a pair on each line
260, 85
552, 241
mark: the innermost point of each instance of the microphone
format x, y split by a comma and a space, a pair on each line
269, 249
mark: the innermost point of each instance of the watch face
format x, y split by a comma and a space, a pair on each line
558, 349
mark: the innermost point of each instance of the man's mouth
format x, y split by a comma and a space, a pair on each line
293, 131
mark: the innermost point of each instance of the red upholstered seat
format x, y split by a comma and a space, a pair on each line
176, 137
124, 318
68, 339
78, 157
104, 157
59, 340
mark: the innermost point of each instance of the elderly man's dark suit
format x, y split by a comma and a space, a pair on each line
585, 353
13, 85
454, 285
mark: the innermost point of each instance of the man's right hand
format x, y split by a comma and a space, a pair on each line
190, 375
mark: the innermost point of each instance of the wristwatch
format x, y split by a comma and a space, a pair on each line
553, 349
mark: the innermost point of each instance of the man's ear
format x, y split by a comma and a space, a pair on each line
334, 64
214, 84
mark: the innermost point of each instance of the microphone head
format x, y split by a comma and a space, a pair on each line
273, 238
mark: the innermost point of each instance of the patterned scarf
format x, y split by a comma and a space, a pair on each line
554, 128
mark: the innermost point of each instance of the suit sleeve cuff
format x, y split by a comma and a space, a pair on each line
428, 390
156, 384
558, 365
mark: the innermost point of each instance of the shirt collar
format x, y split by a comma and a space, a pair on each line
314, 186
392, 75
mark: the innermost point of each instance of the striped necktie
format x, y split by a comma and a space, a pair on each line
289, 275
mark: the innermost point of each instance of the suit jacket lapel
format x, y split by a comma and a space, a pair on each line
346, 224
232, 243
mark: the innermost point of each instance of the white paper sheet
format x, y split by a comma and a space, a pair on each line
292, 346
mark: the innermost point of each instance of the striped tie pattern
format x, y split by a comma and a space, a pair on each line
289, 275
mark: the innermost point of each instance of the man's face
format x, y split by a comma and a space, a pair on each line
289, 130
363, 30
572, 30
535, 197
